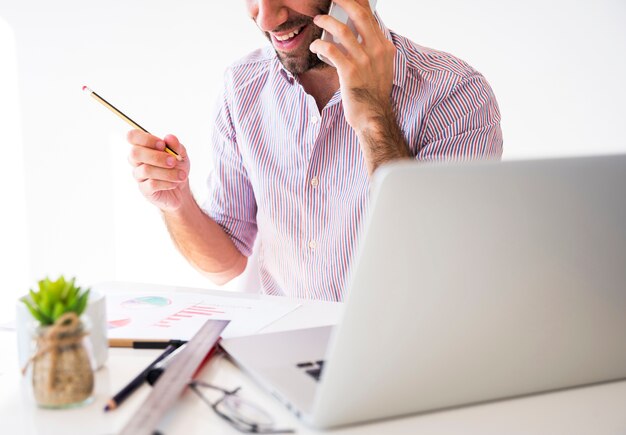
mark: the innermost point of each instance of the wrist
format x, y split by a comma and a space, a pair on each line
185, 203
382, 140
376, 120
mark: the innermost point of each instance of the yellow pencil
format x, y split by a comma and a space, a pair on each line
113, 109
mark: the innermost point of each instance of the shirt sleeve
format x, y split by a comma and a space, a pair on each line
230, 202
465, 124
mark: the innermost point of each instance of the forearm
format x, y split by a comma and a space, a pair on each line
381, 140
203, 242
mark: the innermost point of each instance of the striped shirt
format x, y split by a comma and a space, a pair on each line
295, 177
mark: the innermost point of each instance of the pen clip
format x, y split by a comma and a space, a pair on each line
165, 361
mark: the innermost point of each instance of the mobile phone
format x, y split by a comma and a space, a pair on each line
341, 15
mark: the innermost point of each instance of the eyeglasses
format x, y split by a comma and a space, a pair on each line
240, 413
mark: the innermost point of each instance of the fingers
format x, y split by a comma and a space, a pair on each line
361, 51
140, 155
162, 177
149, 149
151, 187
143, 139
153, 168
332, 52
173, 143
148, 172
362, 16
341, 32
146, 140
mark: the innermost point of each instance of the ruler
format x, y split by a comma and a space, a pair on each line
174, 380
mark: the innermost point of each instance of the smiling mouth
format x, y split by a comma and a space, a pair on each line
288, 41
289, 36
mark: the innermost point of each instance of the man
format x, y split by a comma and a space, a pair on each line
296, 141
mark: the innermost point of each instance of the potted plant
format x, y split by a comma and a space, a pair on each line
62, 373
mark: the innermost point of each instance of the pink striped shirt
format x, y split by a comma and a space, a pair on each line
295, 178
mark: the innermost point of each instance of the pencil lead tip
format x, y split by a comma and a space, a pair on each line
110, 405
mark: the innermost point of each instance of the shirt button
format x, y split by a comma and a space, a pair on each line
315, 181
312, 245
314, 119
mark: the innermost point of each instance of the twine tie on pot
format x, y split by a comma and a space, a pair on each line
54, 340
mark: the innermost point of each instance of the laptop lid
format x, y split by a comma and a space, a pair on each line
481, 281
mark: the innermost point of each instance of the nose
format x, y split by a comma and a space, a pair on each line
269, 14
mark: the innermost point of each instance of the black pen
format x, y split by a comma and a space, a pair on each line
157, 369
139, 379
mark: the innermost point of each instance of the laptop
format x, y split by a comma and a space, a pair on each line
473, 282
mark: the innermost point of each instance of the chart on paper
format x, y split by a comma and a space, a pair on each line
180, 315
197, 310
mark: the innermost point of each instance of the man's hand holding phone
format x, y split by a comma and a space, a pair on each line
365, 68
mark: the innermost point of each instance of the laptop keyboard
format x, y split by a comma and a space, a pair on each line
313, 369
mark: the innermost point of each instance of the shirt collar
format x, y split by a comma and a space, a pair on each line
283, 71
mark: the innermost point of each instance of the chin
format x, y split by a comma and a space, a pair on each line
301, 64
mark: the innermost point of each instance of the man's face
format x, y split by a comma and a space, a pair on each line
288, 24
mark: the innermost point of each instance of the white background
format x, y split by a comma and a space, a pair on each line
69, 204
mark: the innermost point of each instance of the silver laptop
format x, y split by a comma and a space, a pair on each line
473, 282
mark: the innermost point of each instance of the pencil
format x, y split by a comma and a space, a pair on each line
141, 344
119, 113
123, 394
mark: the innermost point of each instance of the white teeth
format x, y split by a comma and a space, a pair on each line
286, 37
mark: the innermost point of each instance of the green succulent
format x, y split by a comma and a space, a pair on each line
54, 299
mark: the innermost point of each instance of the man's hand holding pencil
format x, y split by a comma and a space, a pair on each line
162, 179
161, 168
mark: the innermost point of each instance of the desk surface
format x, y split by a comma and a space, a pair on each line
599, 409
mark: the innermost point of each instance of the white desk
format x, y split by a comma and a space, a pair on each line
598, 409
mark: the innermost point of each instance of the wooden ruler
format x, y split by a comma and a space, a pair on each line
174, 380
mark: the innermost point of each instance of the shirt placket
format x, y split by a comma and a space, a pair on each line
313, 203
